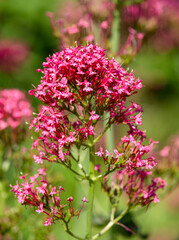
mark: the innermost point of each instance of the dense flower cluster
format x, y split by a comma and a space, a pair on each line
46, 199
12, 54
135, 183
79, 85
14, 108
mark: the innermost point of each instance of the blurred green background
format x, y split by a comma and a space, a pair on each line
26, 21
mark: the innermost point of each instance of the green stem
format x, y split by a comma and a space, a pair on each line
69, 232
110, 224
105, 174
115, 35
91, 188
75, 172
96, 139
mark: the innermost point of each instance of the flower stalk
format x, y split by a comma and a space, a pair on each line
91, 187
110, 224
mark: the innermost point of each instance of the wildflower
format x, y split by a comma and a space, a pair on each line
136, 185
65, 83
40, 208
97, 167
100, 153
93, 116
37, 193
14, 108
47, 222
12, 54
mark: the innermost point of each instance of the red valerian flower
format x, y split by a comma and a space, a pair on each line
12, 54
45, 198
14, 108
139, 187
78, 86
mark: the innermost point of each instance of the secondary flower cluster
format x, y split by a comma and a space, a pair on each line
79, 25
170, 153
130, 154
39, 193
79, 85
139, 187
14, 108
152, 15
94, 25
12, 54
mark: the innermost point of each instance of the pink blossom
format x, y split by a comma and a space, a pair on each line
14, 108
93, 116
37, 193
165, 151
89, 38
38, 159
135, 183
104, 25
97, 167
47, 222
73, 29
100, 153
12, 54
53, 191
40, 209
83, 23
71, 78
117, 153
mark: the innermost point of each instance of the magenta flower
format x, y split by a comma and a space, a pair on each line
15, 109
12, 54
80, 88
152, 15
136, 185
72, 80
45, 198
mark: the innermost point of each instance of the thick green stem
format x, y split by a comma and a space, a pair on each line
91, 188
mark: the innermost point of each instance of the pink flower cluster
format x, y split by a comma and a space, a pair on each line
156, 16
79, 85
12, 54
139, 187
79, 25
130, 154
46, 199
147, 9
14, 108
132, 45
169, 154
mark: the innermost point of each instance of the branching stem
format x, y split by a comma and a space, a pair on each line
111, 223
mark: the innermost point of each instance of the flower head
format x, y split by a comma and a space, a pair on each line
12, 54
14, 108
44, 197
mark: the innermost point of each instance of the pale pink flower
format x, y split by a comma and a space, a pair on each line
100, 153
47, 222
